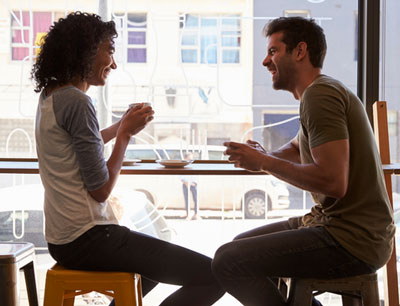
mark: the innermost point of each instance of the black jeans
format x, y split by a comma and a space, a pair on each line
248, 267
116, 248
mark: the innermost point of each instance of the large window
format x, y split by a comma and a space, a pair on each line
199, 63
204, 39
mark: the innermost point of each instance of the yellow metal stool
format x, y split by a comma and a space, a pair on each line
62, 285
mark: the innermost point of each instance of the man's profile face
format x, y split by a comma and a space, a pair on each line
279, 63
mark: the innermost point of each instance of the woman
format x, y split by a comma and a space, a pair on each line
81, 229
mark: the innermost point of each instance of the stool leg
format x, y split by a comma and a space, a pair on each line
351, 301
139, 289
30, 282
300, 294
53, 294
370, 295
69, 301
125, 295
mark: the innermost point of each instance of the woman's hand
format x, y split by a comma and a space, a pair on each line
135, 119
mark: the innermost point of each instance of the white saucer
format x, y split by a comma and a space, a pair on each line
174, 163
130, 162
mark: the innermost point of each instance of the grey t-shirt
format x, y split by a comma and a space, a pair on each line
71, 162
361, 221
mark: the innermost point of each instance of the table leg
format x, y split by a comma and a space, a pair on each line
30, 282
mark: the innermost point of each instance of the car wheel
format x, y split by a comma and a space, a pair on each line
254, 205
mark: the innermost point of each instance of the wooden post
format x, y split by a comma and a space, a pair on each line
382, 141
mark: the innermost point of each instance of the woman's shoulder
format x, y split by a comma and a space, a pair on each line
70, 95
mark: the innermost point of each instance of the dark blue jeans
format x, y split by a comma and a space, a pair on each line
193, 190
248, 267
116, 248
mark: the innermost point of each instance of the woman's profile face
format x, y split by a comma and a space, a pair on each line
102, 63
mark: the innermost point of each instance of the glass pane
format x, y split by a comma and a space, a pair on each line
18, 53
19, 36
41, 22
208, 22
189, 56
230, 39
191, 21
230, 56
189, 39
231, 22
208, 44
137, 38
137, 20
16, 19
137, 55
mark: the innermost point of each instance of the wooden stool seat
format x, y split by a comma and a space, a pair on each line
359, 290
15, 257
62, 285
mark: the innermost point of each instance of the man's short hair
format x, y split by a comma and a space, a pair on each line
298, 29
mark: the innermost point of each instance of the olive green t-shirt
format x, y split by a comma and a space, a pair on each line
361, 221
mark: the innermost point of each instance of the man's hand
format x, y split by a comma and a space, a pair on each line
256, 145
135, 119
247, 156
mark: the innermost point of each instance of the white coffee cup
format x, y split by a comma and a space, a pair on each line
135, 104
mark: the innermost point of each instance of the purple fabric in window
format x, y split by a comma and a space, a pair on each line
136, 38
137, 55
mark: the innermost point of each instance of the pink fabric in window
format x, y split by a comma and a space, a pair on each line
41, 23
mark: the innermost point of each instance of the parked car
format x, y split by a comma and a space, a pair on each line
21, 214
253, 194
171, 151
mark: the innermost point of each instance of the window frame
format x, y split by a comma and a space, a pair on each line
30, 44
198, 32
122, 42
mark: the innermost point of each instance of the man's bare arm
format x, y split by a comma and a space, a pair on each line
326, 174
289, 151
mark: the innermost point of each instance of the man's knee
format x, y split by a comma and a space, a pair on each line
240, 236
223, 262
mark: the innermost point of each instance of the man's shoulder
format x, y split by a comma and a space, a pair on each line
326, 87
325, 81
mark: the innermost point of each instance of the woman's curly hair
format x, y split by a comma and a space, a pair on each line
69, 48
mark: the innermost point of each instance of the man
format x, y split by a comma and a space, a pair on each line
349, 231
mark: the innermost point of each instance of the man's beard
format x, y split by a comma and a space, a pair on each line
285, 76
284, 80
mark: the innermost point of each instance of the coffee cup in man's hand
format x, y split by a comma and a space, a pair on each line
132, 105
